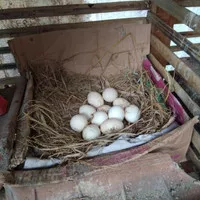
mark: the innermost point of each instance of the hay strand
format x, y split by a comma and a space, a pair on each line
58, 96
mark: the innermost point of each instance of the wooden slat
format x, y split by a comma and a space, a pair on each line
182, 14
192, 79
8, 66
15, 32
190, 34
176, 48
73, 9
4, 50
176, 37
189, 103
188, 3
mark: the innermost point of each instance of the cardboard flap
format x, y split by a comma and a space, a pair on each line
91, 50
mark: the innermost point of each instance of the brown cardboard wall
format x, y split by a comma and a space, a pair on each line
110, 48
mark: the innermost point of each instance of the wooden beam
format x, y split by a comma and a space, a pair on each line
73, 9
188, 3
15, 32
8, 66
176, 37
177, 48
192, 79
4, 50
189, 103
182, 14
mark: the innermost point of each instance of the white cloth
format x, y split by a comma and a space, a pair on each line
124, 142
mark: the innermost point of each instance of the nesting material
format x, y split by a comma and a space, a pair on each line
59, 95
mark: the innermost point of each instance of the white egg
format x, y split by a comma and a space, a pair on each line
116, 112
132, 113
104, 108
99, 117
111, 126
87, 110
95, 99
121, 102
78, 123
91, 132
110, 94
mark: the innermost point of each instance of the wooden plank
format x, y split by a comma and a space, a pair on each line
189, 90
189, 103
176, 37
15, 32
9, 120
192, 79
188, 3
4, 50
73, 9
176, 48
23, 128
190, 34
8, 66
182, 14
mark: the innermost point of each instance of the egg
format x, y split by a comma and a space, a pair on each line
95, 99
99, 117
87, 110
104, 108
132, 113
116, 112
110, 94
121, 102
78, 123
91, 132
111, 126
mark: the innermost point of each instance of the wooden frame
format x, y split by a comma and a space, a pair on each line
180, 13
73, 9
177, 38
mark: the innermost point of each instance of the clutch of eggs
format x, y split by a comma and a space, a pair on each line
97, 117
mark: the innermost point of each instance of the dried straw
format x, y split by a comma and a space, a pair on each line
59, 95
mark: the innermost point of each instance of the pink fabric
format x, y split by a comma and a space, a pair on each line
3, 105
172, 101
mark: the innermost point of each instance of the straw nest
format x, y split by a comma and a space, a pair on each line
58, 96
